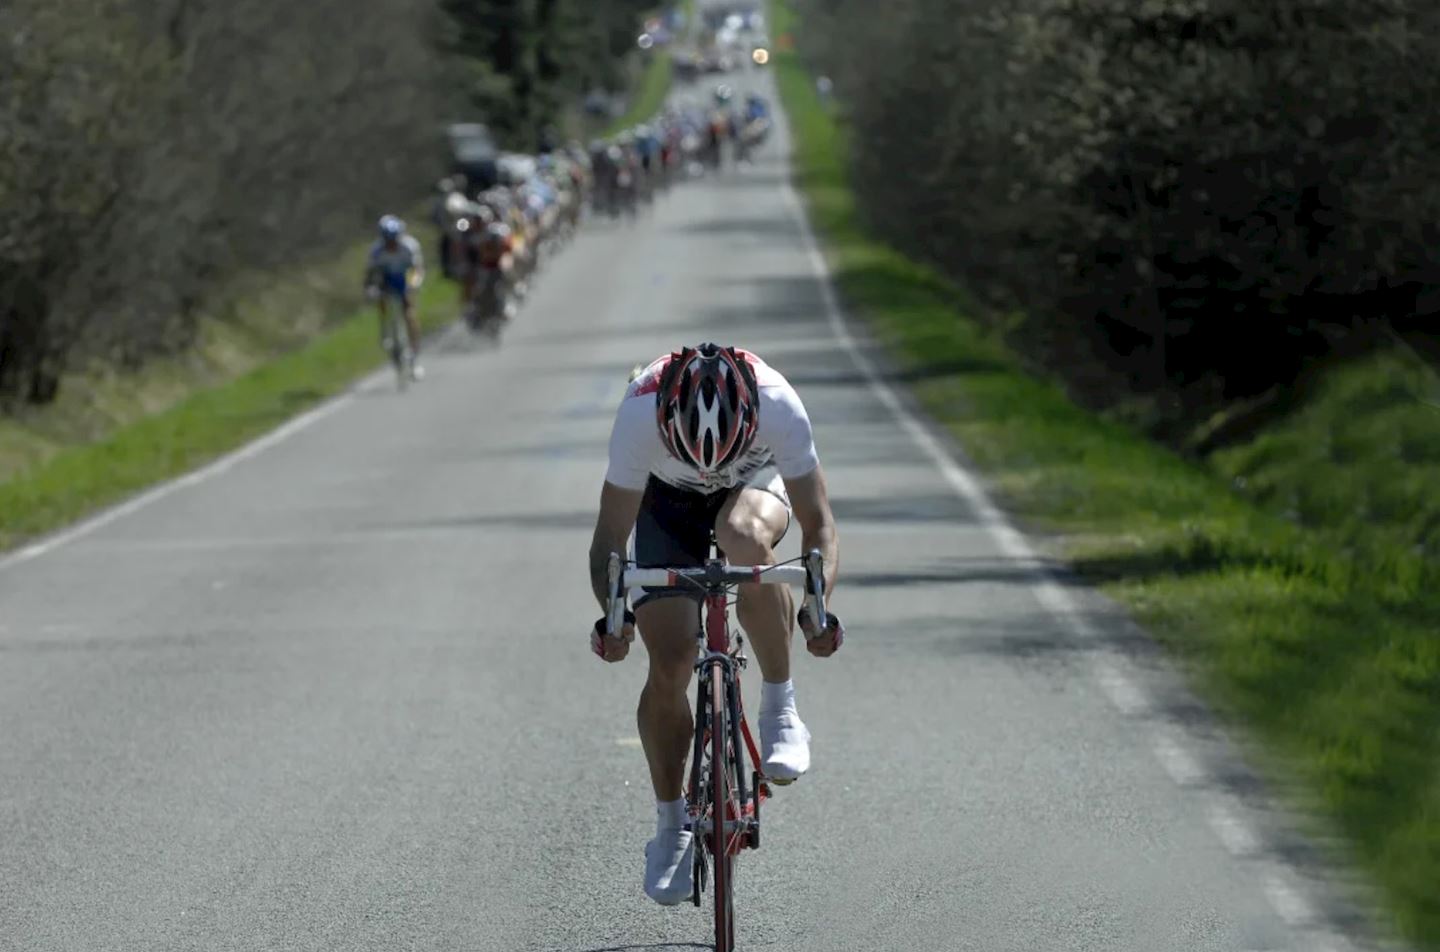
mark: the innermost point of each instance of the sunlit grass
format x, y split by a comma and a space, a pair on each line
653, 87
1306, 604
649, 95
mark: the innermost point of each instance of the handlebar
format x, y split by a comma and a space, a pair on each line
621, 579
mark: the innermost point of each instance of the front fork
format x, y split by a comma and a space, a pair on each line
741, 742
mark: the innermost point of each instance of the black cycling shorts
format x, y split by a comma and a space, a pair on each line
675, 526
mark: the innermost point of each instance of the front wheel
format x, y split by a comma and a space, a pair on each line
723, 810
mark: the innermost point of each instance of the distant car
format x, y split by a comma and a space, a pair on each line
686, 67
472, 154
599, 104
718, 61
516, 167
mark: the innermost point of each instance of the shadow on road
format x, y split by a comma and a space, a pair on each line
666, 946
745, 227
902, 508
758, 181
515, 520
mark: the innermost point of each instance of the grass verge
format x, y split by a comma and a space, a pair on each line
69, 482
1307, 619
653, 87
650, 96
286, 347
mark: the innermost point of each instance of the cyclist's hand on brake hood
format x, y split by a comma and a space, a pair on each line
615, 647
822, 644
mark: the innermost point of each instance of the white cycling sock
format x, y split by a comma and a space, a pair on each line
777, 696
671, 814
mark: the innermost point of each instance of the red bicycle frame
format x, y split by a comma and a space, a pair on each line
717, 641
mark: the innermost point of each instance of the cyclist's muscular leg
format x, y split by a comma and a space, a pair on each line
667, 626
747, 529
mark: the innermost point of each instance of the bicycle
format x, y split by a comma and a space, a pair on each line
724, 812
395, 337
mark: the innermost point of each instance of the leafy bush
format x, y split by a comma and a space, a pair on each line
1197, 195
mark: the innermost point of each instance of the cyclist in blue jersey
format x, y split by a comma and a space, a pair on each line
395, 271
756, 107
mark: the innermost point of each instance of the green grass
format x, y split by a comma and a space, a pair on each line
653, 87
1294, 578
268, 315
287, 345
70, 476
649, 95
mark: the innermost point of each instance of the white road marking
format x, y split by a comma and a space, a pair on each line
1178, 762
1120, 688
1237, 835
627, 742
1287, 899
156, 493
366, 384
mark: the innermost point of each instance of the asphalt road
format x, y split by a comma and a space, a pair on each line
338, 696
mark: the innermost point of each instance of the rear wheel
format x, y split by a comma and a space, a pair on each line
722, 809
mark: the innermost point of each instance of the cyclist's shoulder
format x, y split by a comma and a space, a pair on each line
645, 380
766, 376
411, 243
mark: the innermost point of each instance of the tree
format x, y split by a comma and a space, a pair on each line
1155, 182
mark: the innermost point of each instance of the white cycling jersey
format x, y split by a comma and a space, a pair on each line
784, 436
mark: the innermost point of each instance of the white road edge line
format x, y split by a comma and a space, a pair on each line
1287, 900
156, 493
1120, 688
1178, 762
1237, 835
366, 384
1047, 589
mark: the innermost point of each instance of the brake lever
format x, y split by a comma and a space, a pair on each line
615, 607
815, 597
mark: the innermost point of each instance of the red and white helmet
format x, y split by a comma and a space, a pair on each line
708, 407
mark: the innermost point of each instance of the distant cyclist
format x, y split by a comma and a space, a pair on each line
754, 126
756, 107
710, 440
395, 272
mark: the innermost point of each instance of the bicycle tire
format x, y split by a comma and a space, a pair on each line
405, 365
698, 787
721, 809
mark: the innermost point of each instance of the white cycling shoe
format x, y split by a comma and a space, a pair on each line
784, 746
670, 867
